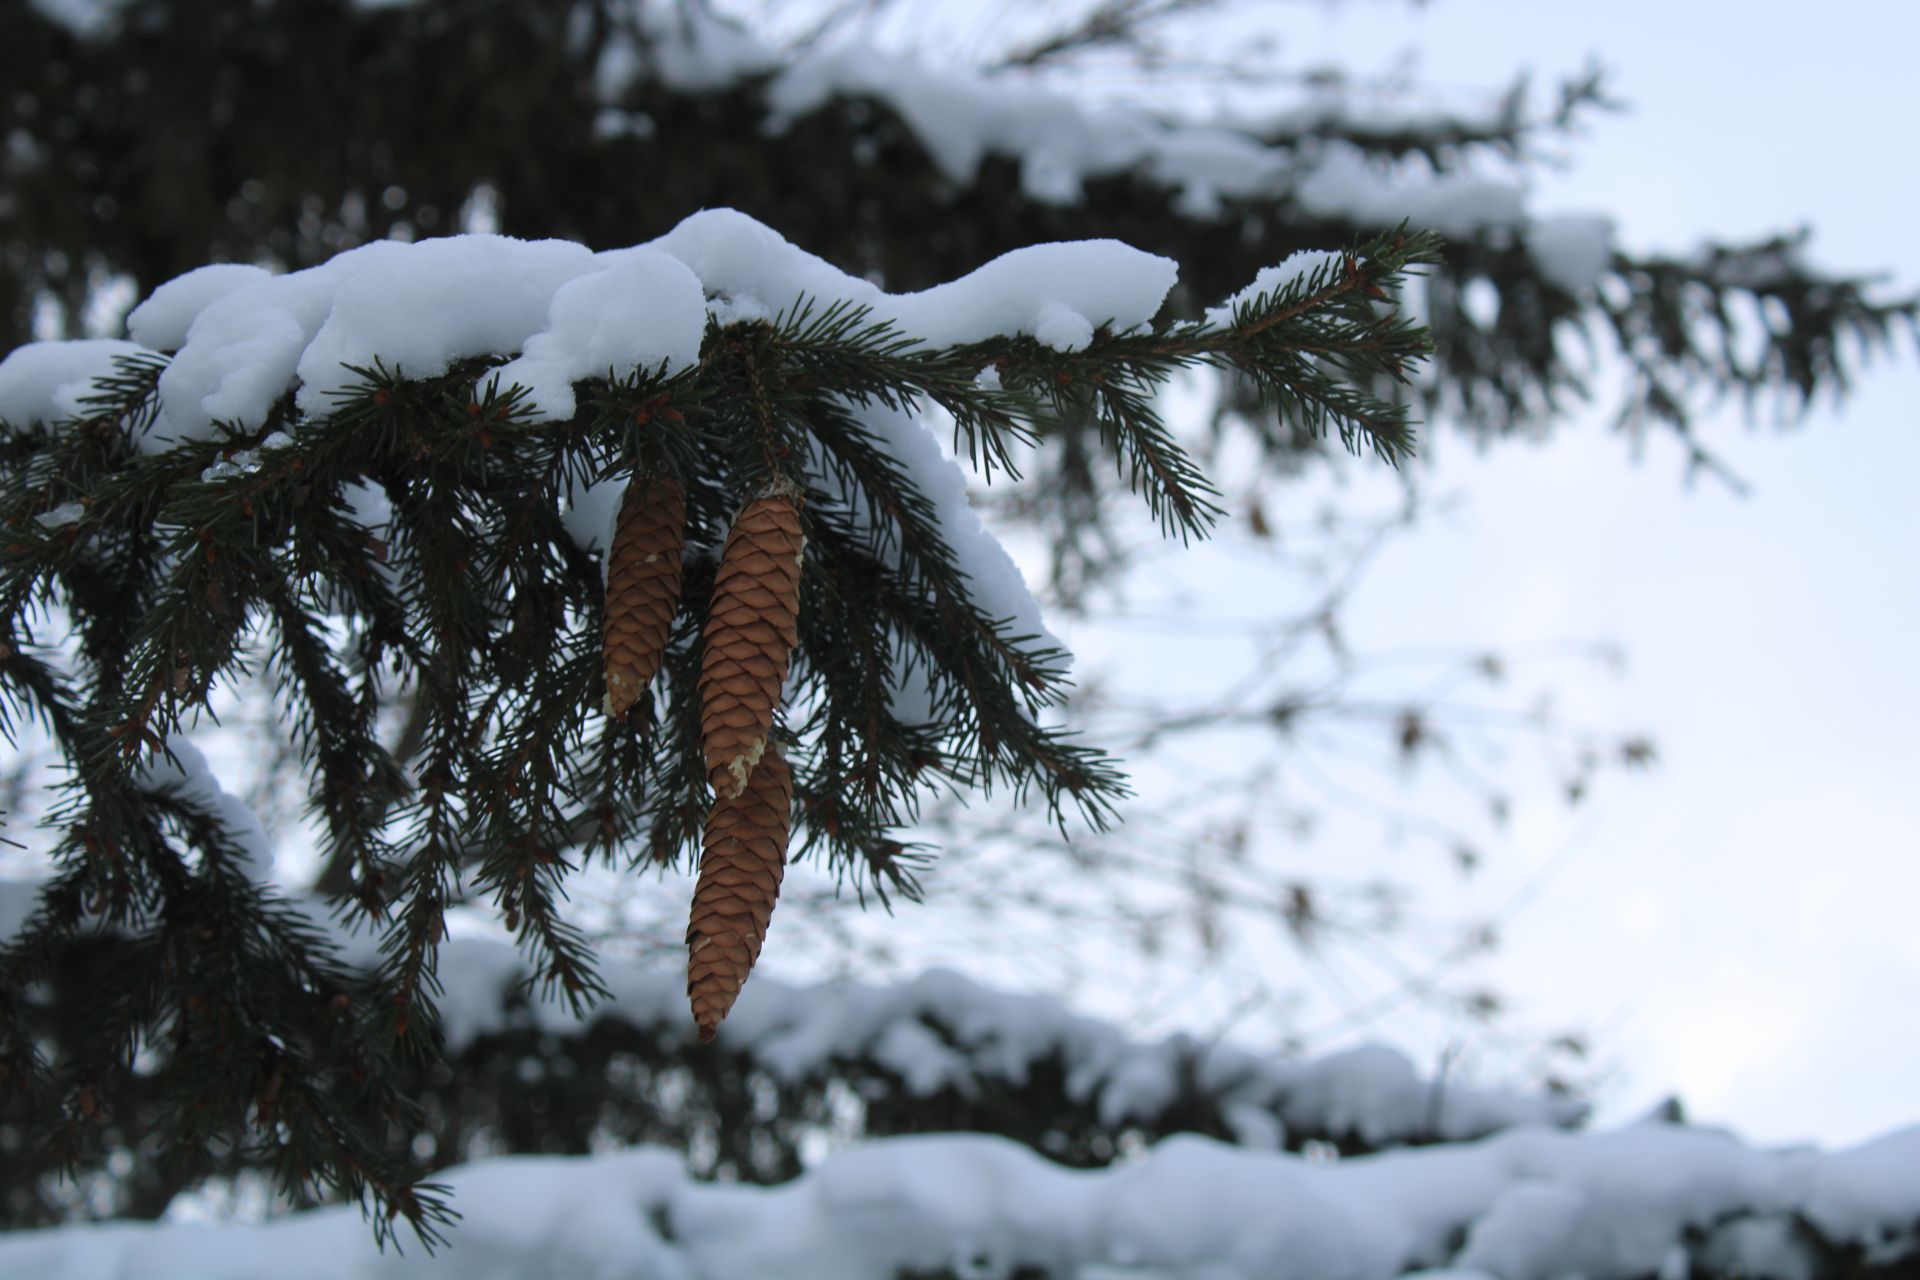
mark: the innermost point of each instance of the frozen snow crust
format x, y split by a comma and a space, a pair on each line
1527, 1205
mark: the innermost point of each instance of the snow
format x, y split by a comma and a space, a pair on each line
1059, 286
1517, 1206
61, 516
245, 338
17, 898
1528, 1233
1343, 183
694, 49
1572, 250
243, 348
368, 504
1868, 1190
962, 118
646, 311
1060, 143
1270, 281
590, 513
994, 581
942, 1031
564, 314
44, 382
1506, 1196
1768, 1248
182, 771
82, 17
429, 304
162, 321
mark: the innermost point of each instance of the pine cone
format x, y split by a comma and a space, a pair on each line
643, 587
751, 630
741, 865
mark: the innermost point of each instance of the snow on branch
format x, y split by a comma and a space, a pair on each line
1061, 144
1522, 1206
943, 1033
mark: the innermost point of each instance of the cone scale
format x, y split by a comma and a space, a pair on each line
752, 626
742, 861
643, 588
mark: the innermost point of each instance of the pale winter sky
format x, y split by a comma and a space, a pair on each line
1740, 925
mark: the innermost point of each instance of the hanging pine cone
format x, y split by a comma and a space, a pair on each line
643, 587
751, 630
743, 859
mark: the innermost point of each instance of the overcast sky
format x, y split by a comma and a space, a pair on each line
1741, 924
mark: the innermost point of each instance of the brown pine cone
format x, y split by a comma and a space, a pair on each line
751, 630
643, 587
744, 857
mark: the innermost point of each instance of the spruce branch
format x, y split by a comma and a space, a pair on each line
412, 534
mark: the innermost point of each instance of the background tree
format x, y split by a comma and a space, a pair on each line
631, 117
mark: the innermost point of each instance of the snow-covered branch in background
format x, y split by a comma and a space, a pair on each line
1528, 1205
